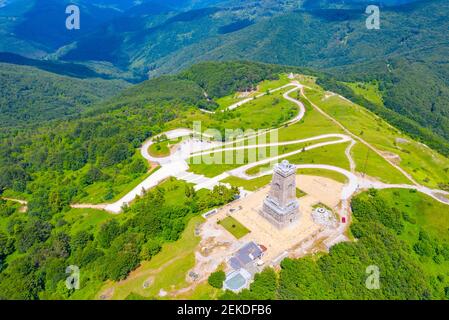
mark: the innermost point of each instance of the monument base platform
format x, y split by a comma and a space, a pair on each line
280, 217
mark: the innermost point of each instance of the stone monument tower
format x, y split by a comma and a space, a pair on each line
281, 207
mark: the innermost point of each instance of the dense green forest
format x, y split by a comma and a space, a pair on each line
408, 56
403, 233
29, 95
36, 248
58, 163
65, 157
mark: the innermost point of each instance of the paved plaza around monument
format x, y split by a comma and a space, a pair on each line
220, 243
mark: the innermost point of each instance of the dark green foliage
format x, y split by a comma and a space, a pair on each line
123, 256
376, 210
216, 279
219, 196
235, 26
302, 279
6, 245
35, 231
108, 232
137, 166
264, 287
116, 154
82, 257
150, 249
219, 79
29, 95
7, 208
81, 239
20, 281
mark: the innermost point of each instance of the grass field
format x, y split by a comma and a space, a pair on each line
166, 271
234, 227
84, 219
203, 291
273, 84
331, 155
217, 163
120, 186
250, 185
425, 165
263, 87
162, 149
424, 214
324, 173
265, 112
313, 124
370, 163
368, 90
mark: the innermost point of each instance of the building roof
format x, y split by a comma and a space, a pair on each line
248, 253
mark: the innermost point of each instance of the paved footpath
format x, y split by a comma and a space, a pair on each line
176, 165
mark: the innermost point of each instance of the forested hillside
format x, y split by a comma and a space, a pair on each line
407, 55
105, 137
96, 156
36, 249
98, 147
29, 95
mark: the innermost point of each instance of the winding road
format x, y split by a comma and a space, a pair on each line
176, 165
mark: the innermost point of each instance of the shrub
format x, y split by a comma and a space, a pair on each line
150, 249
216, 279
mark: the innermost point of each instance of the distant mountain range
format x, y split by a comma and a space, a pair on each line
136, 40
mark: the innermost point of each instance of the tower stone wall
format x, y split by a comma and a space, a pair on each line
281, 207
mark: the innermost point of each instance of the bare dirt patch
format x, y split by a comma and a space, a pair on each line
147, 283
396, 159
107, 294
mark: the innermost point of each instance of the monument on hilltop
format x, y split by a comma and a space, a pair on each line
281, 207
